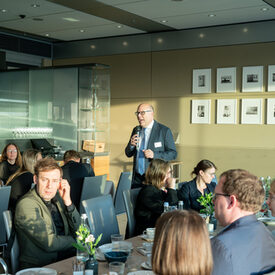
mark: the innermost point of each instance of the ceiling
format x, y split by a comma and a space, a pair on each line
87, 19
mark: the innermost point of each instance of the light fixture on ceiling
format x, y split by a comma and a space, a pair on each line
264, 9
47, 34
159, 40
119, 26
211, 15
245, 29
3, 10
35, 5
163, 21
81, 30
93, 47
125, 43
70, 19
201, 35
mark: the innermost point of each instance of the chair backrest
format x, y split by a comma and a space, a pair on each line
4, 203
130, 198
124, 183
14, 254
92, 187
101, 217
109, 188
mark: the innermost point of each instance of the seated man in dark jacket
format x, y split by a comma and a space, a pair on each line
46, 220
74, 172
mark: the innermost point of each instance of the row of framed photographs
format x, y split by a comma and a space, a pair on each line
252, 80
251, 111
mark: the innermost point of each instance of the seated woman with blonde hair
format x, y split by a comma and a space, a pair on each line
181, 245
159, 187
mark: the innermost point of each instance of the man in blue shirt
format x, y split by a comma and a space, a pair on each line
245, 246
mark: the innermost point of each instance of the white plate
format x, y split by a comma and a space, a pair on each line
141, 272
146, 266
37, 271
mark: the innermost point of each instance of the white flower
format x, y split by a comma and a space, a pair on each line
90, 238
80, 237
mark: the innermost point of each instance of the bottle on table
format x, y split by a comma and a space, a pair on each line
166, 207
180, 205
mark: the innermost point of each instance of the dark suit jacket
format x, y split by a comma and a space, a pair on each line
189, 194
243, 247
161, 142
74, 173
149, 206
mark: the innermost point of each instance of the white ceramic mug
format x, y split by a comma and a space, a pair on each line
149, 233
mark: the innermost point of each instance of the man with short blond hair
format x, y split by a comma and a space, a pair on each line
244, 246
150, 140
45, 218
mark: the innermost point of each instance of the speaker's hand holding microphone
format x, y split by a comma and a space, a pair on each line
135, 138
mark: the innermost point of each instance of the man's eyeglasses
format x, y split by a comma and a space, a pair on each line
220, 194
142, 112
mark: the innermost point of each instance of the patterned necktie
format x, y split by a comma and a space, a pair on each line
141, 157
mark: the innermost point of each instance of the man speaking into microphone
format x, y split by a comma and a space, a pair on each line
150, 140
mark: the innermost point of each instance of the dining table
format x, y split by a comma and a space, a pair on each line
134, 262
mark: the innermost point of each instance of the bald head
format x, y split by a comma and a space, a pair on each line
145, 114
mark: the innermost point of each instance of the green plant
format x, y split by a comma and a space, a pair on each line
85, 241
207, 202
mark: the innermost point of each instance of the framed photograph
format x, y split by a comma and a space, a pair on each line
270, 118
251, 111
201, 81
226, 80
253, 79
271, 78
201, 111
226, 111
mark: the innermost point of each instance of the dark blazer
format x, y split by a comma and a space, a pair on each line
20, 185
149, 206
189, 194
243, 247
161, 142
74, 173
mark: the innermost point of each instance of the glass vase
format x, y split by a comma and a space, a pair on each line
92, 264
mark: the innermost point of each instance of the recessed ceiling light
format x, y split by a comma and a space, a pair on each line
245, 29
81, 30
47, 34
264, 9
35, 5
3, 10
160, 40
163, 21
201, 35
70, 19
211, 15
93, 47
119, 26
125, 43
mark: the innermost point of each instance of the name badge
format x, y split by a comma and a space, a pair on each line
158, 144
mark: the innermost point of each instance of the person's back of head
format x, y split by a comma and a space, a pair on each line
246, 187
71, 155
181, 245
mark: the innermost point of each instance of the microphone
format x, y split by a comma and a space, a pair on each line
138, 132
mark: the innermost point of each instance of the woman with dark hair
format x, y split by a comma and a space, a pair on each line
181, 245
11, 161
202, 184
22, 180
159, 187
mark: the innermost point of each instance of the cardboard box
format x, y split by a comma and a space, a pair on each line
91, 146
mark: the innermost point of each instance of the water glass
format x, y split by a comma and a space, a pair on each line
116, 238
116, 268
